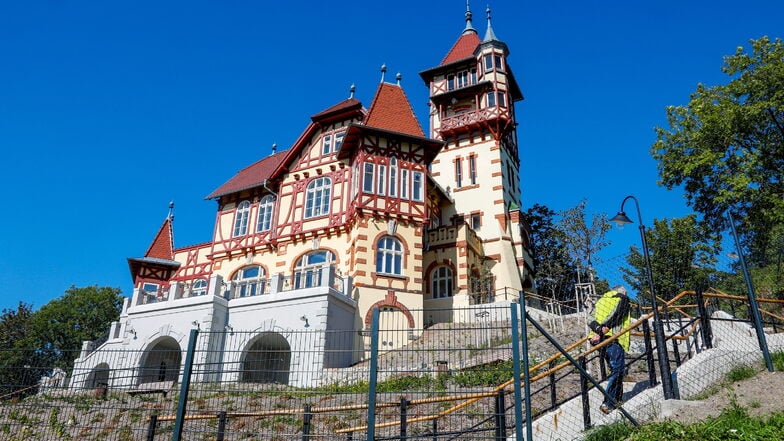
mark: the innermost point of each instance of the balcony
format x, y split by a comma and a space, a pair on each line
471, 118
182, 293
449, 236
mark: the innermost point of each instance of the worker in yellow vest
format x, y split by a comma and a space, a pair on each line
610, 316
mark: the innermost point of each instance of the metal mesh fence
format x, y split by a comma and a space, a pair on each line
453, 380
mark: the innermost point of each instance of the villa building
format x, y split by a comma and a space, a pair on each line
365, 210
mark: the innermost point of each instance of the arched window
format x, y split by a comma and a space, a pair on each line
249, 281
265, 213
307, 271
199, 287
441, 282
241, 219
389, 256
317, 197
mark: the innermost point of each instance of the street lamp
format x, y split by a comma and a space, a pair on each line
661, 348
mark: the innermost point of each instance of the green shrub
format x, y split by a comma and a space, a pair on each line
741, 372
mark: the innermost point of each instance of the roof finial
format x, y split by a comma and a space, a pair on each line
383, 71
351, 90
469, 27
171, 211
274, 147
398, 77
489, 35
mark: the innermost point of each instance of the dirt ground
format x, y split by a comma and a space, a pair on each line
761, 395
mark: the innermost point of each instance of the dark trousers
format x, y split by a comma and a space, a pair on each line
615, 357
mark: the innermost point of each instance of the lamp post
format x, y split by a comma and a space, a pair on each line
658, 330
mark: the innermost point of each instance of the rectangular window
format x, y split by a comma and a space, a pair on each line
393, 179
501, 99
476, 221
367, 181
472, 168
450, 82
458, 172
473, 75
339, 140
327, 145
488, 62
354, 180
417, 190
462, 79
498, 64
382, 179
404, 184
491, 99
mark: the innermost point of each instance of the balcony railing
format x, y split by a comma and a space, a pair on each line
324, 276
472, 117
451, 234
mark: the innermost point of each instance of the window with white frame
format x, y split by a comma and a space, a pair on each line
326, 145
472, 168
393, 177
368, 176
198, 287
266, 207
241, 219
403, 184
318, 197
458, 172
382, 180
354, 180
417, 187
496, 99
339, 140
493, 62
249, 281
441, 282
389, 256
307, 271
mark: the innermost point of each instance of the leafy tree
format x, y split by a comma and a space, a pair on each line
564, 244
15, 367
57, 330
681, 251
550, 255
583, 240
726, 147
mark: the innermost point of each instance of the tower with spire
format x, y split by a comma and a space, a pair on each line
472, 98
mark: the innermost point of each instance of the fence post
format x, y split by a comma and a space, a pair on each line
646, 331
584, 394
221, 426
705, 324
551, 379
151, 427
756, 319
306, 417
516, 359
373, 380
435, 430
403, 418
500, 416
186, 384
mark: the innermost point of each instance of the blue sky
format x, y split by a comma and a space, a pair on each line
109, 110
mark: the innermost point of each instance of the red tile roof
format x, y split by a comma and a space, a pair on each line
251, 176
345, 105
463, 48
391, 110
163, 245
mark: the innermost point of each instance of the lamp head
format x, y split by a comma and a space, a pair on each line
621, 219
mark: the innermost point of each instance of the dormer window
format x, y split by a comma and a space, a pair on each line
241, 219
331, 142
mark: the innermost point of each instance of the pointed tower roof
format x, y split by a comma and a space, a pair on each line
391, 110
465, 45
158, 261
162, 246
489, 34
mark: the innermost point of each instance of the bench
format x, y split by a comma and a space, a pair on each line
155, 387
